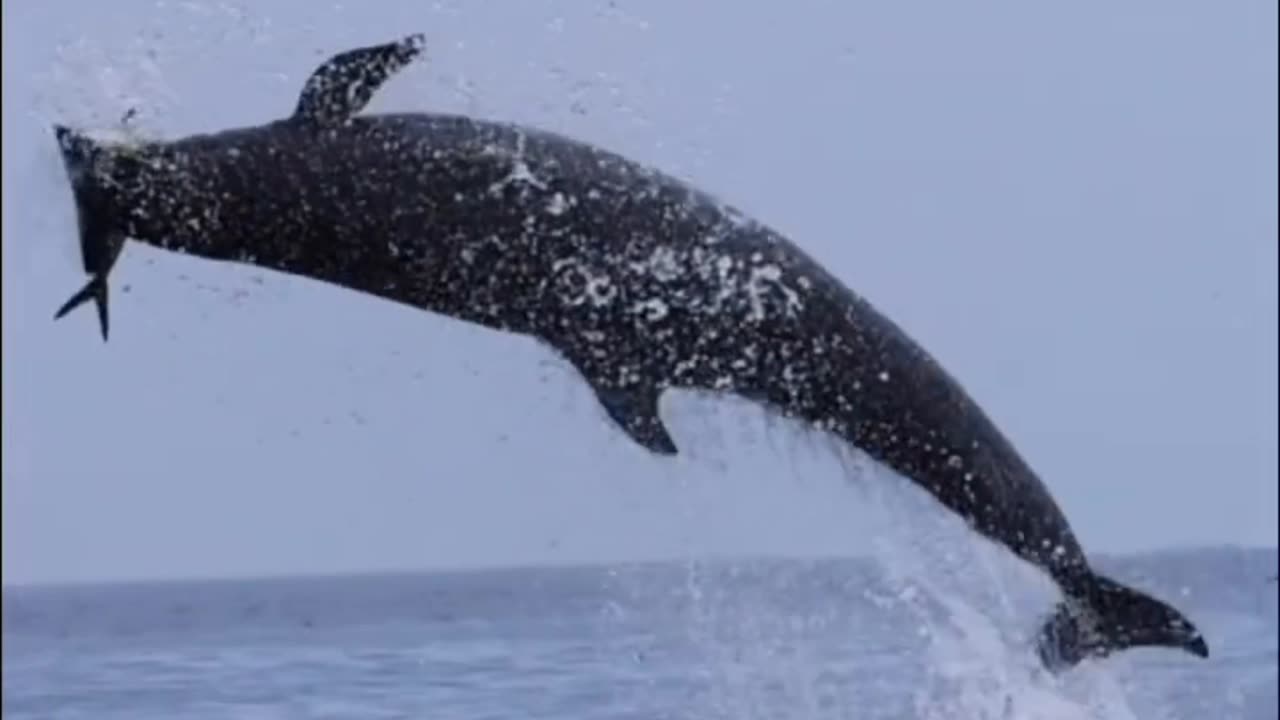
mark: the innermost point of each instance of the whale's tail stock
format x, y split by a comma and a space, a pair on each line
1100, 616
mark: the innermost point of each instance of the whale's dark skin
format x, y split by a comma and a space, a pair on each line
640, 281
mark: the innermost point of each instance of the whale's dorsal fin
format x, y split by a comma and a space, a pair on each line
345, 83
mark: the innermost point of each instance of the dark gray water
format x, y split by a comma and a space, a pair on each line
758, 639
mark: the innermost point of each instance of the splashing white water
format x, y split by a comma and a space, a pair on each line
970, 606
966, 594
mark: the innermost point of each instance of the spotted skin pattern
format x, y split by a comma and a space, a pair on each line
640, 281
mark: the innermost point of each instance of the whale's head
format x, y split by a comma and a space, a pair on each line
79, 152
94, 168
97, 170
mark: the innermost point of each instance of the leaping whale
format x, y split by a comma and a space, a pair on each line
642, 282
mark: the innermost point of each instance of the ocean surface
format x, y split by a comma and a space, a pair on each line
785, 639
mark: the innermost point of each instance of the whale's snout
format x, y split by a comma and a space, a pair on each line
72, 143
77, 150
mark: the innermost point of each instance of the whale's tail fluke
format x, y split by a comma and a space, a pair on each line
1100, 616
97, 213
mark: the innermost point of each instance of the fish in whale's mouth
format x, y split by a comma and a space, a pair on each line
101, 239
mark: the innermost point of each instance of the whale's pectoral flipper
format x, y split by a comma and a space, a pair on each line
345, 83
635, 410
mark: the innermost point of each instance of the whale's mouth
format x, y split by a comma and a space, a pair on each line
116, 137
77, 150
84, 159
78, 155
110, 136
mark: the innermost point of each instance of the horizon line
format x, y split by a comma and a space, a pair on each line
567, 564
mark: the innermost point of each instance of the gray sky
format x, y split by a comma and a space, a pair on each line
1073, 207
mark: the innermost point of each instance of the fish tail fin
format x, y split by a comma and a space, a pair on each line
96, 290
